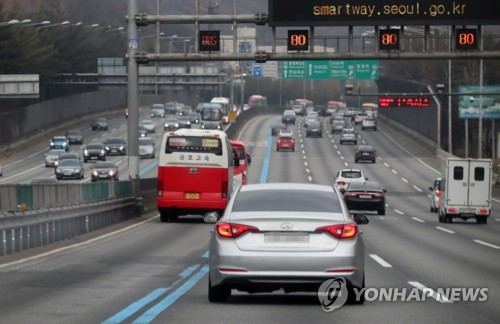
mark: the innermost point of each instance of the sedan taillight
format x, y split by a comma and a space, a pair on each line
229, 230
341, 231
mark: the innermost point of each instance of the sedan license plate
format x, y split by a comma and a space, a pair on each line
365, 196
192, 195
366, 153
286, 238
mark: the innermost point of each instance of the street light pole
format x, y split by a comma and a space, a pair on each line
157, 45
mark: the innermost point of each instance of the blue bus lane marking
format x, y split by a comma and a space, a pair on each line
265, 167
155, 294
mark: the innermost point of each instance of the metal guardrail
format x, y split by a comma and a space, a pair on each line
22, 230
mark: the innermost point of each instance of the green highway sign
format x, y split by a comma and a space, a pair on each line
329, 69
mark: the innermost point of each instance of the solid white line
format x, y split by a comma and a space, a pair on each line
440, 298
399, 212
418, 219
394, 171
417, 189
445, 230
40, 256
387, 165
380, 261
413, 156
20, 173
487, 244
404, 180
310, 178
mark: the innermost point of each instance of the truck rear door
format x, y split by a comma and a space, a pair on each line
457, 186
479, 184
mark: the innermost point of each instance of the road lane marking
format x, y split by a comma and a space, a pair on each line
418, 219
341, 157
308, 171
305, 163
445, 230
380, 261
267, 158
387, 165
304, 152
346, 164
310, 178
404, 180
338, 152
394, 171
399, 212
430, 292
417, 188
487, 244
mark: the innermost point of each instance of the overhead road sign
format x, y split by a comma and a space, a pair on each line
383, 12
338, 69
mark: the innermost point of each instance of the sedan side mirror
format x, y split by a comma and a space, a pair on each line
360, 219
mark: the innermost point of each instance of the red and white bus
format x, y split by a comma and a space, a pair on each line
256, 101
242, 161
195, 173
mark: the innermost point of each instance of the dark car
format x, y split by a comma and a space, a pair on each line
74, 136
171, 124
288, 117
194, 117
276, 128
59, 142
66, 156
94, 151
365, 153
320, 109
115, 145
100, 123
185, 110
170, 108
365, 196
70, 169
184, 121
104, 171
314, 129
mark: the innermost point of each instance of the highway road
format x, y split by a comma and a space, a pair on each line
156, 272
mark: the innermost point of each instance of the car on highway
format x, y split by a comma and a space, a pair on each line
348, 135
350, 113
148, 125
157, 110
367, 195
66, 156
369, 123
69, 169
309, 119
290, 236
59, 142
100, 123
314, 129
285, 141
185, 110
146, 148
435, 196
170, 108
184, 121
94, 151
299, 110
51, 157
171, 124
288, 117
74, 136
360, 116
338, 125
345, 176
365, 153
194, 117
276, 128
104, 170
1, 170
115, 145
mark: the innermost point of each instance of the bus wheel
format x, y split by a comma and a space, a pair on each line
163, 217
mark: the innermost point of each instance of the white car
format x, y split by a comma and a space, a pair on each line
345, 176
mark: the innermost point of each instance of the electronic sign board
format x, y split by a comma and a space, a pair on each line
396, 102
209, 41
466, 39
383, 12
298, 40
388, 39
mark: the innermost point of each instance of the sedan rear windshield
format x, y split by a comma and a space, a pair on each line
351, 174
287, 201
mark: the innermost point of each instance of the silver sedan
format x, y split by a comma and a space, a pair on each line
287, 236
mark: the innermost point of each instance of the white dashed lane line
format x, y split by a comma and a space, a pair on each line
394, 171
346, 164
387, 165
341, 157
310, 178
445, 230
305, 163
417, 189
429, 292
308, 171
418, 220
338, 152
380, 261
404, 180
487, 244
399, 212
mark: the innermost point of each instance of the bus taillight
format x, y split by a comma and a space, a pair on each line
160, 188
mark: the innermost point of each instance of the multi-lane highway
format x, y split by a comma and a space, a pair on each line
156, 272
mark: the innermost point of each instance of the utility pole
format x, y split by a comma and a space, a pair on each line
133, 103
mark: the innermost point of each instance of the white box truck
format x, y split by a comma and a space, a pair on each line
465, 190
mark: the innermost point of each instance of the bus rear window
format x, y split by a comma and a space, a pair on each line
194, 144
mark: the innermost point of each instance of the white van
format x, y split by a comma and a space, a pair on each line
465, 190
